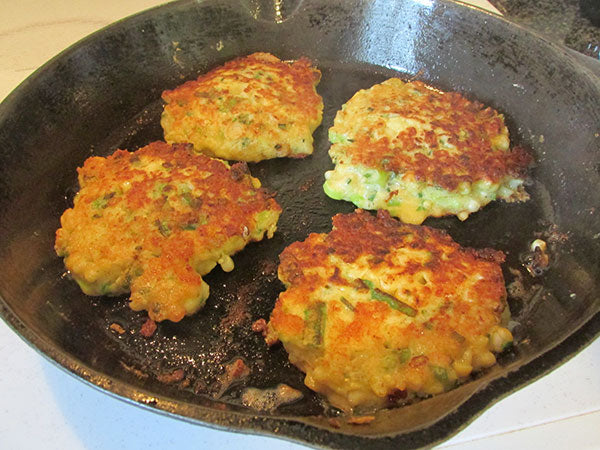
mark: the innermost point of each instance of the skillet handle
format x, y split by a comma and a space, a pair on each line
277, 11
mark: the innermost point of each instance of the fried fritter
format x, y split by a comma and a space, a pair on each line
151, 222
249, 109
378, 310
418, 152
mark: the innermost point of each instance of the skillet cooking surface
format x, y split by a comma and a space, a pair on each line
104, 94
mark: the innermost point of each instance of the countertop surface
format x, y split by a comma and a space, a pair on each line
44, 407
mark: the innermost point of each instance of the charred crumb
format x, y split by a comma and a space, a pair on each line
184, 146
397, 397
239, 170
491, 255
117, 328
133, 370
234, 371
260, 326
148, 328
237, 369
267, 193
307, 185
171, 377
360, 420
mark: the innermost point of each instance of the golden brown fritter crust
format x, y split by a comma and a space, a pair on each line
252, 108
378, 309
478, 145
154, 220
419, 152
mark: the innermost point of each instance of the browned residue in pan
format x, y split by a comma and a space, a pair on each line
270, 399
234, 371
148, 328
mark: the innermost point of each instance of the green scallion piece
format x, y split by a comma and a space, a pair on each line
392, 301
163, 228
368, 284
314, 318
404, 355
440, 374
347, 304
100, 203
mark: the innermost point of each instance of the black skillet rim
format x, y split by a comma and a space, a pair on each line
288, 428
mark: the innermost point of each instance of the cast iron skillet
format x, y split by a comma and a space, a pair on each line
103, 94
